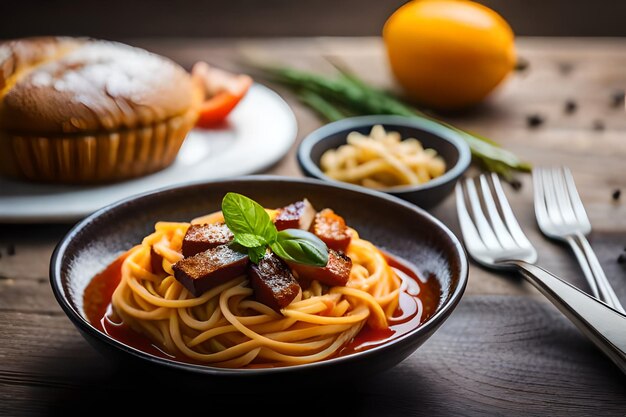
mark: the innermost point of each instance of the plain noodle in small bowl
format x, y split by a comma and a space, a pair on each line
382, 159
436, 143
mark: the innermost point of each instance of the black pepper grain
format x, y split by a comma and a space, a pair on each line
621, 259
534, 120
516, 184
617, 98
598, 125
616, 195
521, 64
565, 67
570, 106
11, 250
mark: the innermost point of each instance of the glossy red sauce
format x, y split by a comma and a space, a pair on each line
97, 307
419, 300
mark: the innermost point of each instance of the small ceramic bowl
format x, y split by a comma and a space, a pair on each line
448, 144
404, 230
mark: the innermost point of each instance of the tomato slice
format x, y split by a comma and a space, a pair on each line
223, 91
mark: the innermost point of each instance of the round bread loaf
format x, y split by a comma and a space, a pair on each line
82, 110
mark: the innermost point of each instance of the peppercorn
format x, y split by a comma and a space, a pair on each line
617, 98
521, 64
565, 67
598, 125
616, 194
534, 120
570, 106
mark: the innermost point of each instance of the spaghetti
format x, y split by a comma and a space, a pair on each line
226, 327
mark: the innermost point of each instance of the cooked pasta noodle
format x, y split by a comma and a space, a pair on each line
382, 160
227, 327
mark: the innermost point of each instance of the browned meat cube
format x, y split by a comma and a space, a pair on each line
156, 262
200, 237
210, 268
298, 215
332, 229
273, 283
335, 273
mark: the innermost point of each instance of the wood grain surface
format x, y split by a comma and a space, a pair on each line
504, 351
496, 355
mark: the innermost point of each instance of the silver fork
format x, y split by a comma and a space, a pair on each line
499, 243
561, 215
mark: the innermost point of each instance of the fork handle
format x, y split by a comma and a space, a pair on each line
604, 326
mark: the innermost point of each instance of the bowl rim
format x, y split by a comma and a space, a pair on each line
440, 131
56, 281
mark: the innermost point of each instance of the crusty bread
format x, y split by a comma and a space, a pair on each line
20, 54
56, 90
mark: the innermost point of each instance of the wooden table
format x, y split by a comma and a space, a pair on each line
505, 350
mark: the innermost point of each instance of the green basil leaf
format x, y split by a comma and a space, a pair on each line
256, 254
250, 241
244, 216
300, 246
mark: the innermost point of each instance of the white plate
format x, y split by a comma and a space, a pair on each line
260, 131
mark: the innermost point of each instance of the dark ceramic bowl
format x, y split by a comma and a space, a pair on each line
404, 230
448, 143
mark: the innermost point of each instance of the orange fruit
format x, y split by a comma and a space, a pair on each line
448, 54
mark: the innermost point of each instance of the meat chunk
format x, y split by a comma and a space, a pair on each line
298, 215
273, 283
332, 229
335, 273
210, 268
200, 237
156, 262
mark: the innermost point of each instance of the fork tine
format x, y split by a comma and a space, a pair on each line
541, 213
484, 228
552, 206
562, 195
499, 228
577, 204
468, 230
509, 217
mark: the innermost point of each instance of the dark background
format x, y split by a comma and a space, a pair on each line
120, 19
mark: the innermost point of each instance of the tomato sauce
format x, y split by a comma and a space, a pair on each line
419, 299
97, 305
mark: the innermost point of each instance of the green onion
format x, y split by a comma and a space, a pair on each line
347, 95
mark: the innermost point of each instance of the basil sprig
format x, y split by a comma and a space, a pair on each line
300, 246
254, 230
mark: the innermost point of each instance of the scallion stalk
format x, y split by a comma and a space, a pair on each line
353, 96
